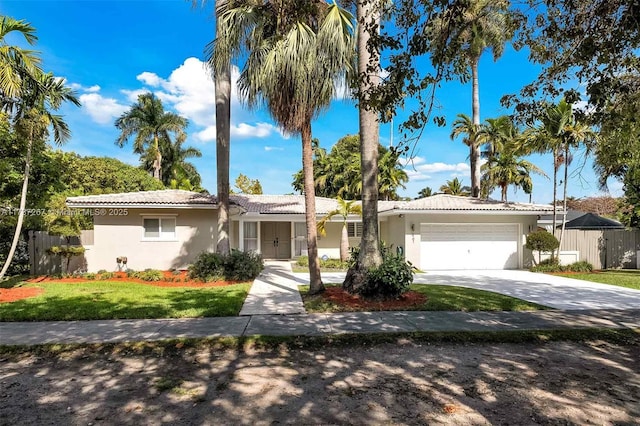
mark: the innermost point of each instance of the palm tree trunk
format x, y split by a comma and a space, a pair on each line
564, 196
315, 280
475, 108
23, 203
157, 163
368, 17
222, 81
344, 243
555, 194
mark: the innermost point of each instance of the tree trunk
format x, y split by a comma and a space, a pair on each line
344, 243
475, 149
23, 203
368, 17
222, 81
504, 193
564, 196
157, 162
555, 195
315, 280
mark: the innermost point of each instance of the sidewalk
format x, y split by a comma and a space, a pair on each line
31, 333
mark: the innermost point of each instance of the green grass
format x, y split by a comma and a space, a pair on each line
118, 300
439, 298
629, 278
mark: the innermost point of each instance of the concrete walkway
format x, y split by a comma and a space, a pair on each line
274, 292
31, 333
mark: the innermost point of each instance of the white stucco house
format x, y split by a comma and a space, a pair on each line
169, 228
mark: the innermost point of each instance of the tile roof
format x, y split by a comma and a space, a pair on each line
165, 196
444, 202
281, 204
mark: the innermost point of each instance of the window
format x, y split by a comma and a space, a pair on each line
354, 229
250, 236
159, 228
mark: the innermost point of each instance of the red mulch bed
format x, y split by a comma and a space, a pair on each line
18, 293
169, 281
340, 297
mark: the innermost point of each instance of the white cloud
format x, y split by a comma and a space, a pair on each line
132, 95
150, 79
273, 148
79, 87
419, 171
102, 110
206, 135
260, 130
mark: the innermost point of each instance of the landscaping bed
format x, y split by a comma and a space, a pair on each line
420, 297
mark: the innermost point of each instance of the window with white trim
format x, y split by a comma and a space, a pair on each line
250, 236
354, 229
159, 228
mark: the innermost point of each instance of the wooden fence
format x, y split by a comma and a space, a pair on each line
604, 248
43, 264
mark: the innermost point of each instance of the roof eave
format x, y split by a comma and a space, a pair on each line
122, 205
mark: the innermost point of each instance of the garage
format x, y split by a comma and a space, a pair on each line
469, 246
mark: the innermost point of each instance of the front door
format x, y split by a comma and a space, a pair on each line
275, 240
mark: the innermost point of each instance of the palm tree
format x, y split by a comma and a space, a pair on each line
497, 134
390, 175
454, 187
506, 169
473, 138
41, 94
482, 25
16, 64
283, 73
150, 123
425, 192
175, 166
345, 208
368, 15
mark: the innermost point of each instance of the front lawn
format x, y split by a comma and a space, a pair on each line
629, 278
436, 298
93, 300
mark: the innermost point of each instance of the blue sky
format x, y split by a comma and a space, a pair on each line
111, 51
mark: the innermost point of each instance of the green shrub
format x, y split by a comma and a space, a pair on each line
105, 275
547, 267
151, 275
582, 266
542, 241
237, 266
392, 278
132, 273
333, 264
303, 261
102, 271
89, 276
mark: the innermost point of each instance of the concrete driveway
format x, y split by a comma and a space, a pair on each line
549, 290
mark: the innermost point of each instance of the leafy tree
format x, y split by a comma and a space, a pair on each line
283, 42
454, 187
248, 186
345, 208
464, 125
33, 117
338, 173
542, 241
425, 192
148, 121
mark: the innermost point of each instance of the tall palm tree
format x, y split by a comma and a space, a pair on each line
454, 187
425, 192
148, 120
497, 134
506, 169
473, 138
41, 95
479, 26
390, 175
368, 15
16, 64
284, 42
344, 210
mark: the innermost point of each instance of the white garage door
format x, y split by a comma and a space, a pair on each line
469, 246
